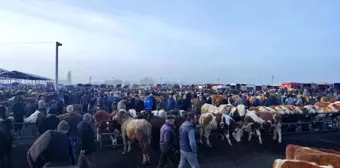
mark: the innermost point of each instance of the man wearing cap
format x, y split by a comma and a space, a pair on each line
51, 121
122, 104
86, 139
168, 143
73, 119
52, 149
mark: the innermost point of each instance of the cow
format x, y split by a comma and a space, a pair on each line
132, 113
217, 100
237, 113
104, 124
221, 122
208, 108
335, 107
285, 163
135, 129
291, 150
313, 155
294, 109
328, 99
260, 120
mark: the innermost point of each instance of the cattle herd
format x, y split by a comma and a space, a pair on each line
225, 119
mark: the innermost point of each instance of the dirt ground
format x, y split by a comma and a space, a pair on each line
244, 154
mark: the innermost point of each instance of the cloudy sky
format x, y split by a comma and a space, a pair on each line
192, 40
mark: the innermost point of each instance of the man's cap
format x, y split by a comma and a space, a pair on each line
63, 127
170, 117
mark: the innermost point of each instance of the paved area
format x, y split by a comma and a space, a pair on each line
244, 154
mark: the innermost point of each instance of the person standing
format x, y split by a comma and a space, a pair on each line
122, 104
52, 149
171, 104
149, 103
168, 143
18, 109
6, 139
73, 119
187, 142
51, 121
86, 139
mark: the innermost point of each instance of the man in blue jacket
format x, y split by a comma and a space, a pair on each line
149, 103
168, 143
290, 100
171, 105
187, 142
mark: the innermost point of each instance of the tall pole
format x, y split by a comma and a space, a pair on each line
272, 80
57, 45
90, 79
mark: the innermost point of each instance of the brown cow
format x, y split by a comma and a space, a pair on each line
328, 99
220, 122
291, 150
217, 100
335, 107
103, 122
135, 129
323, 107
319, 156
279, 163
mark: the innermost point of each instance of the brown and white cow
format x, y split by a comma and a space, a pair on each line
135, 129
328, 99
321, 157
285, 163
255, 121
238, 111
208, 108
291, 150
104, 124
216, 122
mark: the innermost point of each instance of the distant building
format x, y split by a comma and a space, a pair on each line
63, 82
146, 81
113, 82
69, 78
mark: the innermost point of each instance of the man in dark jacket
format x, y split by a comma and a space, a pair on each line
139, 104
5, 139
187, 142
30, 108
73, 119
86, 139
171, 105
85, 101
52, 149
168, 143
51, 121
18, 109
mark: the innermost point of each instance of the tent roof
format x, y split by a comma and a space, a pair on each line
20, 75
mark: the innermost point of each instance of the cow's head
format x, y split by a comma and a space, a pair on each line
238, 132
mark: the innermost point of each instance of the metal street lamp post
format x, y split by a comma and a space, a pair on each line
57, 45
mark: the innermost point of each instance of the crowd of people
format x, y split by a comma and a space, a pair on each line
59, 137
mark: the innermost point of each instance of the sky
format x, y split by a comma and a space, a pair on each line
192, 41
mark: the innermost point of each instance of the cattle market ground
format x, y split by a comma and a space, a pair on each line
244, 154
